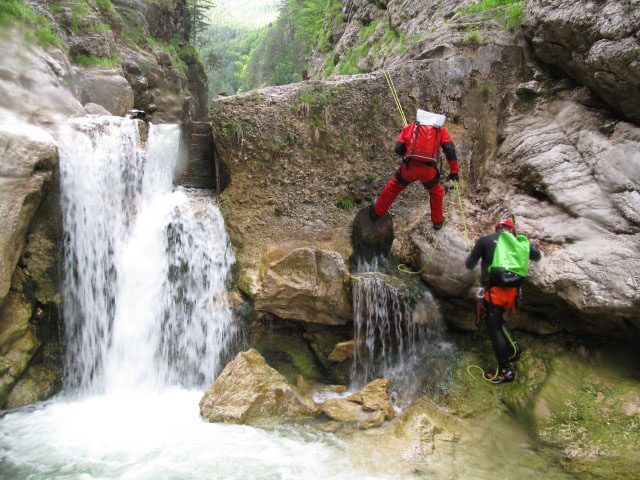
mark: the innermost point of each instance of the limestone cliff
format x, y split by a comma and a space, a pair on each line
534, 144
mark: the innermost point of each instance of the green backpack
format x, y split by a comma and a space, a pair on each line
510, 263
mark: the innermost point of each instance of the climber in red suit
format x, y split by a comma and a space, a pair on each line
419, 145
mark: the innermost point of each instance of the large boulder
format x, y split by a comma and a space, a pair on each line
595, 42
571, 185
107, 88
248, 388
307, 284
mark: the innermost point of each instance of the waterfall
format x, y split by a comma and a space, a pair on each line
398, 331
145, 264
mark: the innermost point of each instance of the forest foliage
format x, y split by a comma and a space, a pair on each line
240, 58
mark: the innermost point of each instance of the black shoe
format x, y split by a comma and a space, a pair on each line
516, 355
438, 226
505, 375
372, 212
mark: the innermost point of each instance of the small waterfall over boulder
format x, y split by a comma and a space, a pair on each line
398, 331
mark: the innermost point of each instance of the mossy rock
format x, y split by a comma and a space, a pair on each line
322, 340
591, 410
288, 353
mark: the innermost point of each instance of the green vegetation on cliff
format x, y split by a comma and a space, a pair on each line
38, 27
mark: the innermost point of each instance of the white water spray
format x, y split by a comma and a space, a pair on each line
144, 294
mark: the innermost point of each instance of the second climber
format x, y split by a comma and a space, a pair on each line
419, 144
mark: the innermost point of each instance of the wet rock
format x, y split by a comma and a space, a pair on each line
248, 388
375, 396
38, 383
357, 408
106, 88
18, 342
605, 429
95, 109
309, 285
375, 420
28, 158
371, 238
342, 351
344, 410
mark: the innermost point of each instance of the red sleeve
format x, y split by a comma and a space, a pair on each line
449, 149
405, 135
444, 136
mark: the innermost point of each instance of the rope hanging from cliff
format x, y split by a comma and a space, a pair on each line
403, 268
394, 94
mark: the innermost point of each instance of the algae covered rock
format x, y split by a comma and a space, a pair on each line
248, 388
590, 412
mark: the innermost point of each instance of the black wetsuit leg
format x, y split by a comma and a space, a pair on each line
501, 344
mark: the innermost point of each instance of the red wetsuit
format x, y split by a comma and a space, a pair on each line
417, 168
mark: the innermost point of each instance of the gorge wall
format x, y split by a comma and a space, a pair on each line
60, 60
535, 143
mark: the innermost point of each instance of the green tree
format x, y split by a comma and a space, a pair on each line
199, 10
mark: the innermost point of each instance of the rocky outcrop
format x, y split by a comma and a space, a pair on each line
308, 285
248, 389
29, 158
106, 88
342, 351
367, 408
516, 134
596, 43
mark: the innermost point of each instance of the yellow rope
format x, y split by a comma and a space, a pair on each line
402, 266
464, 221
394, 94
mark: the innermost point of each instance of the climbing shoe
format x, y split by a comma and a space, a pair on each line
516, 354
372, 211
505, 375
438, 226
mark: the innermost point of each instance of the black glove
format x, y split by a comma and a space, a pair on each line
453, 176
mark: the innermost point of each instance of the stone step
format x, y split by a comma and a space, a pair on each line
200, 128
200, 139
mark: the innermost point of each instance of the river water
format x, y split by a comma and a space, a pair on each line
148, 328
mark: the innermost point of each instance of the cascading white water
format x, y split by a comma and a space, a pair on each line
146, 265
147, 323
397, 327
